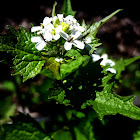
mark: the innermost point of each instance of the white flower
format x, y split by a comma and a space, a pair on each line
95, 57
36, 28
47, 30
104, 62
73, 24
52, 28
40, 28
59, 59
40, 42
107, 61
60, 17
72, 40
70, 19
52, 33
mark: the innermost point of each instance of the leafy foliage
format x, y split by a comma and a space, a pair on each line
136, 135
107, 103
73, 64
23, 127
83, 130
77, 82
27, 61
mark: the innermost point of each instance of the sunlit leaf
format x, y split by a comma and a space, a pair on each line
27, 61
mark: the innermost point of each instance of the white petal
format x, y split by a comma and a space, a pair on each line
67, 46
58, 29
48, 36
88, 40
54, 18
64, 35
110, 62
39, 46
36, 28
60, 17
76, 34
107, 62
46, 21
36, 39
95, 57
69, 17
111, 70
56, 37
80, 28
104, 63
49, 27
79, 44
59, 59
104, 56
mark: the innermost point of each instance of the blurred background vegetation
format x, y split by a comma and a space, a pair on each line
120, 37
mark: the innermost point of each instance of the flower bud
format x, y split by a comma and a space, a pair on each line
56, 21
65, 27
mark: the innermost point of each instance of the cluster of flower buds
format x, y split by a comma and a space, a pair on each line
53, 28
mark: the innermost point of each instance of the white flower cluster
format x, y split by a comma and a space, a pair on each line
55, 27
104, 62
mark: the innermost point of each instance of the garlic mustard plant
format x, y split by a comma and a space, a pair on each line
64, 52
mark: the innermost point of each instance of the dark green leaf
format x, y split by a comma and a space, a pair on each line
28, 61
62, 135
23, 128
67, 9
72, 65
84, 131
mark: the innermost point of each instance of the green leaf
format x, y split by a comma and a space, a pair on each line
122, 63
94, 27
28, 61
24, 128
67, 9
28, 69
94, 47
79, 135
84, 130
136, 135
104, 20
7, 108
109, 103
72, 65
62, 135
52, 69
